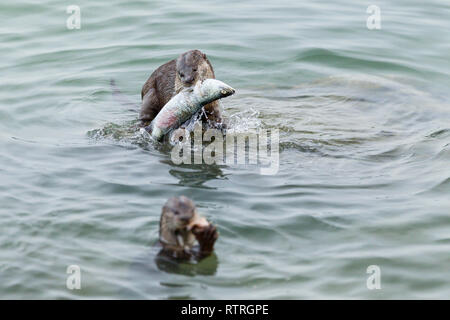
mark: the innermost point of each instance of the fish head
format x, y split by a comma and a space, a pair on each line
212, 89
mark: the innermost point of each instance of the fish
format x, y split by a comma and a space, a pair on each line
186, 103
197, 222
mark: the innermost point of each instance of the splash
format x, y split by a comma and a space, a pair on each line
130, 132
244, 121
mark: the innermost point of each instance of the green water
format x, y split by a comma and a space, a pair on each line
364, 175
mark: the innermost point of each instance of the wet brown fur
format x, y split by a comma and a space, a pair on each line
168, 79
176, 240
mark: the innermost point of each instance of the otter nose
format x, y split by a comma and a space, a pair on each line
189, 79
185, 219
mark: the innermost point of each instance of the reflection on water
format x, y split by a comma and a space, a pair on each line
196, 175
156, 274
207, 266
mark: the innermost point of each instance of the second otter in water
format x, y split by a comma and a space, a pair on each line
173, 76
181, 226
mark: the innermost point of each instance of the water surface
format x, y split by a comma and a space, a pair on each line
364, 176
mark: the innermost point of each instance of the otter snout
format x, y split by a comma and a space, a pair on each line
188, 80
185, 219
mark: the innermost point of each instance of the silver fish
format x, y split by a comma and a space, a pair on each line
185, 104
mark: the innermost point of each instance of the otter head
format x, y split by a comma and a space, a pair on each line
193, 66
177, 215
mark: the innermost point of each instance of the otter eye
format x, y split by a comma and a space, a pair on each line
182, 75
176, 213
195, 69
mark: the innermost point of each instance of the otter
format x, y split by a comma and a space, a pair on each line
173, 76
180, 226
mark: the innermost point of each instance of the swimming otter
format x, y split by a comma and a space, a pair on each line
170, 78
180, 225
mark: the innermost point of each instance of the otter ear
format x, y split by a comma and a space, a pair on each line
204, 56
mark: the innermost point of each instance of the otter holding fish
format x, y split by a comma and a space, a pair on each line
185, 104
174, 76
180, 226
